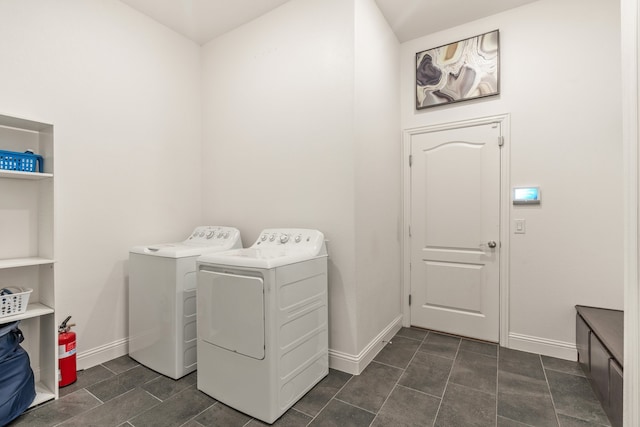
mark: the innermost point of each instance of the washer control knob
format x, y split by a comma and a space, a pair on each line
284, 238
272, 238
201, 234
210, 234
298, 238
264, 237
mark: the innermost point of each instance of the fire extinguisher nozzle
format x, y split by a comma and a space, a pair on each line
63, 325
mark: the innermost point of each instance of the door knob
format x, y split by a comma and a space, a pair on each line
492, 244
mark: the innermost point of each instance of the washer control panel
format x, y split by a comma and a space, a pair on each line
290, 238
209, 235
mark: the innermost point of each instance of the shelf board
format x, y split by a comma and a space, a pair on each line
43, 394
23, 124
34, 309
24, 262
24, 175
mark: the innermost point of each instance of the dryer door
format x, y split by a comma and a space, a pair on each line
231, 312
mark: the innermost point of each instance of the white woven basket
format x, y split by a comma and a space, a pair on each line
15, 302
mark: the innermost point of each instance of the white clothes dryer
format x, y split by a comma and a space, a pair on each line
262, 322
162, 299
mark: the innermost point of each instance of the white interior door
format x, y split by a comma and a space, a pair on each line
455, 231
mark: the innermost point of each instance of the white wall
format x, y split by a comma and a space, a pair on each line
278, 135
560, 68
377, 172
283, 147
123, 95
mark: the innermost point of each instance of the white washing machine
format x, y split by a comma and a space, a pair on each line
162, 299
262, 322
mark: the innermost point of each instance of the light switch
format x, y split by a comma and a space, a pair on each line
520, 226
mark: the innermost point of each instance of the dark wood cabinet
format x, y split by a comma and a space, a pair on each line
600, 368
615, 393
583, 334
600, 345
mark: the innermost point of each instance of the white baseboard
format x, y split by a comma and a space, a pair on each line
355, 363
104, 353
544, 346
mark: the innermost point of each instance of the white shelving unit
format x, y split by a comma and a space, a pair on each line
24, 175
26, 247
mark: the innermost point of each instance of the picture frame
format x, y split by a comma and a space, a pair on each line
461, 71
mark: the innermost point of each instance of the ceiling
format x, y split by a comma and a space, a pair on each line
411, 19
204, 20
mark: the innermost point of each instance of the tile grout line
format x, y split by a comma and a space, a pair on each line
202, 412
150, 394
553, 400
118, 373
193, 418
302, 412
420, 391
96, 397
518, 422
356, 406
95, 407
128, 420
563, 372
81, 413
446, 385
328, 402
468, 388
110, 370
299, 411
243, 425
401, 375
546, 380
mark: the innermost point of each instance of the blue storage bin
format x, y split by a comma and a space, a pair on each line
23, 162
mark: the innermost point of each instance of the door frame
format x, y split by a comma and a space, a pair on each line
505, 198
630, 48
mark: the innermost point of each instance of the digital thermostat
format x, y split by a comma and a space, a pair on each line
526, 196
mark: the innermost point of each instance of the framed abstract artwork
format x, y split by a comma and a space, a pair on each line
467, 69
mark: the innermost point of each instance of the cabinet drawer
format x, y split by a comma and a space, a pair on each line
600, 369
615, 394
583, 333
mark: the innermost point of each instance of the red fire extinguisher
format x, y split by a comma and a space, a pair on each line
66, 354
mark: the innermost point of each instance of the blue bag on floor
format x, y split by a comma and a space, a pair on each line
17, 388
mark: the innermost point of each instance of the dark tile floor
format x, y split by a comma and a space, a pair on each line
421, 378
